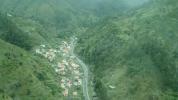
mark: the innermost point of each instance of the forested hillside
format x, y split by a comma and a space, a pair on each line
24, 76
129, 49
135, 53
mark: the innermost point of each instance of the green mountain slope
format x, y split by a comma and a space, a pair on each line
25, 77
133, 57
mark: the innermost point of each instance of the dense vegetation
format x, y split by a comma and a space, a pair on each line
138, 50
12, 34
131, 48
25, 77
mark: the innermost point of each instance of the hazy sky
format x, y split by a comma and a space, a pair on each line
131, 3
135, 2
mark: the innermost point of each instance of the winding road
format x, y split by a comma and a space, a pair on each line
85, 71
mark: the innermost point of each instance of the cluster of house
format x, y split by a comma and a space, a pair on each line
50, 54
65, 48
67, 68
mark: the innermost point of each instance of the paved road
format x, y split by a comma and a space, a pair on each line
85, 71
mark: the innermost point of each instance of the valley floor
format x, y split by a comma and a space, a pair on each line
72, 72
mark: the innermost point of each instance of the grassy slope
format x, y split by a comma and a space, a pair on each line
136, 54
24, 76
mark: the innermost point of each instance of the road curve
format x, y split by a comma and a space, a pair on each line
85, 71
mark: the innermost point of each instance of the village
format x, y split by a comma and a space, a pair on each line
67, 68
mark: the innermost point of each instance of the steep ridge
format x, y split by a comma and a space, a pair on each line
134, 56
24, 76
